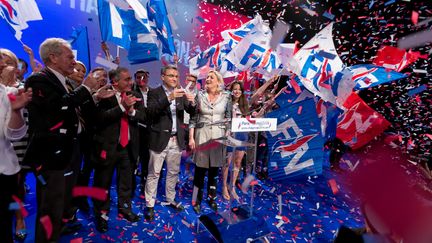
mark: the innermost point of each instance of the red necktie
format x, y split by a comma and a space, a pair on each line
124, 130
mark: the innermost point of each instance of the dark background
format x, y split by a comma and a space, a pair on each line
360, 29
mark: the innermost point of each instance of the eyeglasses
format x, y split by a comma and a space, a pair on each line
171, 75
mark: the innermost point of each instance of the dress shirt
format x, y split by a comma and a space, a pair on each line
172, 108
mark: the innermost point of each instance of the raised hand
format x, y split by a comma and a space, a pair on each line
177, 93
91, 82
104, 92
21, 99
128, 101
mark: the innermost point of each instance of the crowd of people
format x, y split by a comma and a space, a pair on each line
67, 126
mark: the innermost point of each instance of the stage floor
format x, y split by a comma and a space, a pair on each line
311, 212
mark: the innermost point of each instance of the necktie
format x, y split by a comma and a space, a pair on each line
124, 129
78, 112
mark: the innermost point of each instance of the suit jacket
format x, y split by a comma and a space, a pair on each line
158, 107
53, 121
107, 131
144, 127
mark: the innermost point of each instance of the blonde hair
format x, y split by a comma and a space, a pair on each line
220, 79
82, 64
10, 54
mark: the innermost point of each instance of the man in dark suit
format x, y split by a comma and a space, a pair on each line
116, 146
54, 126
166, 105
141, 89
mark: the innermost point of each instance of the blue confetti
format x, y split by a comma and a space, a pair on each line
417, 90
14, 206
328, 15
389, 2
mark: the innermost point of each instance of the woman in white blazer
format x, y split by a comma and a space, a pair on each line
208, 124
12, 127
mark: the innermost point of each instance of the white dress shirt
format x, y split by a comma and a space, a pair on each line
172, 108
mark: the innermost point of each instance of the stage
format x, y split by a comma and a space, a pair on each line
311, 212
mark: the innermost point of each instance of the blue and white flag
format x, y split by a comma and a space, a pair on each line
157, 13
250, 52
114, 23
238, 34
126, 24
296, 147
17, 13
369, 75
321, 70
212, 58
80, 46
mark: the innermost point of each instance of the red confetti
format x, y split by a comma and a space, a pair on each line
295, 85
248, 118
254, 183
103, 154
47, 224
414, 17
77, 240
11, 97
94, 192
208, 146
21, 205
299, 111
333, 186
56, 126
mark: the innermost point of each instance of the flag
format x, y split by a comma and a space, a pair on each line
329, 115
17, 13
253, 50
395, 58
157, 13
296, 147
114, 23
321, 70
126, 24
80, 45
359, 124
212, 58
369, 75
236, 35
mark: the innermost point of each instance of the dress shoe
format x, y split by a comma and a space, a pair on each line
70, 228
177, 206
197, 208
101, 224
213, 205
128, 215
149, 214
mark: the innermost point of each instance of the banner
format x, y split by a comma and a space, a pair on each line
321, 70
296, 147
359, 124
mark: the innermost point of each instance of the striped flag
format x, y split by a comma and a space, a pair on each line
17, 13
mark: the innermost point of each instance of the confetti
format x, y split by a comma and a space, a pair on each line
93, 192
47, 225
